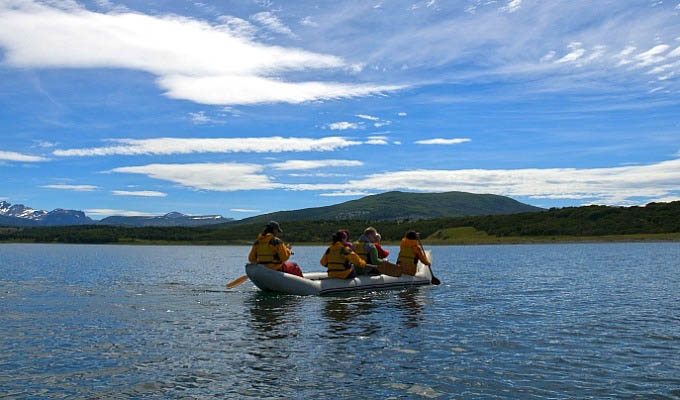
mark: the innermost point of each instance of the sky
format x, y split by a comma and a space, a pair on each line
247, 107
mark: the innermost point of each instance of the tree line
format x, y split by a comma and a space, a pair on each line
570, 221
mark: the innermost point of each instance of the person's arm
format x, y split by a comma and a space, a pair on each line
283, 251
252, 257
355, 259
422, 256
373, 255
324, 259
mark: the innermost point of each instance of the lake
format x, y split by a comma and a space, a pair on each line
514, 321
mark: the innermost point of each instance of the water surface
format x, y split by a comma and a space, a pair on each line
525, 321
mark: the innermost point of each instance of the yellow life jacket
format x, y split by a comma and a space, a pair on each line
337, 263
360, 249
408, 259
266, 251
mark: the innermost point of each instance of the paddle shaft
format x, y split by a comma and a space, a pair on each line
435, 281
237, 281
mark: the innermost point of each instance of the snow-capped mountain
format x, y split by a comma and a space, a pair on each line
170, 219
21, 211
19, 214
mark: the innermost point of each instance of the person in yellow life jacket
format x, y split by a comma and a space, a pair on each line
410, 251
268, 249
340, 259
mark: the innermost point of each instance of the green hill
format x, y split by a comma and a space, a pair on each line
402, 206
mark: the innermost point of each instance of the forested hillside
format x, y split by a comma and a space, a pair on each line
574, 221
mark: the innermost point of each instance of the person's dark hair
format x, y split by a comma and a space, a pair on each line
271, 227
340, 236
412, 235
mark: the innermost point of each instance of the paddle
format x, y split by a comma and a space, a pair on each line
237, 281
435, 281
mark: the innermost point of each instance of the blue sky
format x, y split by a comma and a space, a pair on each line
242, 108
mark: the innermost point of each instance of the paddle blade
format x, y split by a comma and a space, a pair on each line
387, 268
435, 281
237, 281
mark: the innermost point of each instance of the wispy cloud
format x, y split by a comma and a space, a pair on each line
244, 210
270, 21
74, 188
443, 141
292, 165
343, 125
227, 67
13, 156
221, 177
108, 212
604, 185
346, 193
368, 117
164, 146
139, 193
401, 114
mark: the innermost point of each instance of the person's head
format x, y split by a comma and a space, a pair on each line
378, 238
340, 236
371, 233
272, 227
412, 235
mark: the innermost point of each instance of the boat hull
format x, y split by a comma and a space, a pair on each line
319, 284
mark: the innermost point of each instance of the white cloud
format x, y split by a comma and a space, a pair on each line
605, 185
164, 146
512, 6
345, 193
13, 156
668, 199
402, 114
344, 125
273, 23
293, 165
244, 210
108, 212
369, 117
140, 193
308, 21
200, 118
192, 59
576, 52
674, 53
382, 123
377, 140
75, 188
221, 177
443, 141
652, 55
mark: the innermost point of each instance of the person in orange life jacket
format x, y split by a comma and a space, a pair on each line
269, 250
340, 259
365, 248
382, 253
410, 252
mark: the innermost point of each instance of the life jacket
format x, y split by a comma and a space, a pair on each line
337, 263
408, 258
360, 249
266, 251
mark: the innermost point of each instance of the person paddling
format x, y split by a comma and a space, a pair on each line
410, 251
339, 258
271, 251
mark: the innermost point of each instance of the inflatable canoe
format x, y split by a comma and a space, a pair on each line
318, 283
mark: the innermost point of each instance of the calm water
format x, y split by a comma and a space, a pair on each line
547, 321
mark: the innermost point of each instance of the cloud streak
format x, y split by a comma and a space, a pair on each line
165, 146
617, 185
13, 156
192, 59
443, 141
74, 188
139, 193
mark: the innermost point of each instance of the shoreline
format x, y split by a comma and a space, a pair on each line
462, 241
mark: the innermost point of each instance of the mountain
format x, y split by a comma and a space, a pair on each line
20, 215
169, 219
403, 205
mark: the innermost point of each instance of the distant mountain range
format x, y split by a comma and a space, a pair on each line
379, 207
401, 206
169, 219
20, 215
